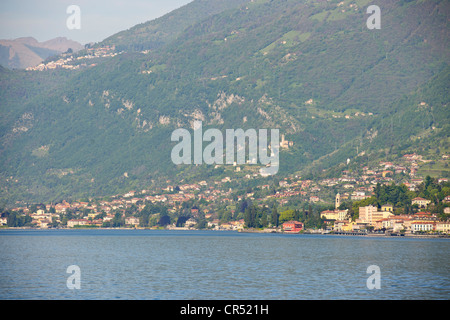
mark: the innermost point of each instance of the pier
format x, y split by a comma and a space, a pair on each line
346, 233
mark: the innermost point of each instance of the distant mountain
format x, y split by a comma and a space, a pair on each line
27, 52
312, 69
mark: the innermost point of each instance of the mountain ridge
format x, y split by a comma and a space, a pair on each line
25, 52
155, 33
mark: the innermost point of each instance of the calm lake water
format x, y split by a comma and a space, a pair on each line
213, 265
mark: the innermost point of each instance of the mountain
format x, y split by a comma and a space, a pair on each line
417, 123
27, 52
312, 69
156, 33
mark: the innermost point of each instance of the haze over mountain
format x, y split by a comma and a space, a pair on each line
27, 52
309, 68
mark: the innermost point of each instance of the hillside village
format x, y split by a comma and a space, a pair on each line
70, 61
345, 204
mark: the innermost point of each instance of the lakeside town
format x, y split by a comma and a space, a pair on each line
389, 198
347, 204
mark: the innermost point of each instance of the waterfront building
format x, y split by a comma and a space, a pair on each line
371, 215
292, 226
334, 214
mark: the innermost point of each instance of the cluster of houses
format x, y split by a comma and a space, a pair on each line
58, 64
353, 185
96, 213
69, 62
372, 217
42, 219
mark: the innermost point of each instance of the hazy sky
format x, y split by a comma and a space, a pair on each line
46, 19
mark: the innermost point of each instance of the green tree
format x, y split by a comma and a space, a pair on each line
11, 221
263, 221
274, 217
296, 215
164, 221
250, 217
54, 223
226, 216
201, 223
287, 215
118, 220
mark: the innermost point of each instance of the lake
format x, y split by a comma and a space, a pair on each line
219, 265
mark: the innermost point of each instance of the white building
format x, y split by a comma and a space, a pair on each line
76, 222
132, 221
190, 223
421, 226
421, 202
443, 227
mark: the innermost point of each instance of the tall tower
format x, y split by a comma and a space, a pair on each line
337, 202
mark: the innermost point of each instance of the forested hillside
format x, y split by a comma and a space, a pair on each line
309, 68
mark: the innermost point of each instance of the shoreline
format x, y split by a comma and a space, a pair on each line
357, 234
260, 231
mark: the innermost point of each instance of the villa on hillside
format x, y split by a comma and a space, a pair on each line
421, 202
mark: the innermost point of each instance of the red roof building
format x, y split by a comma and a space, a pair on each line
292, 227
